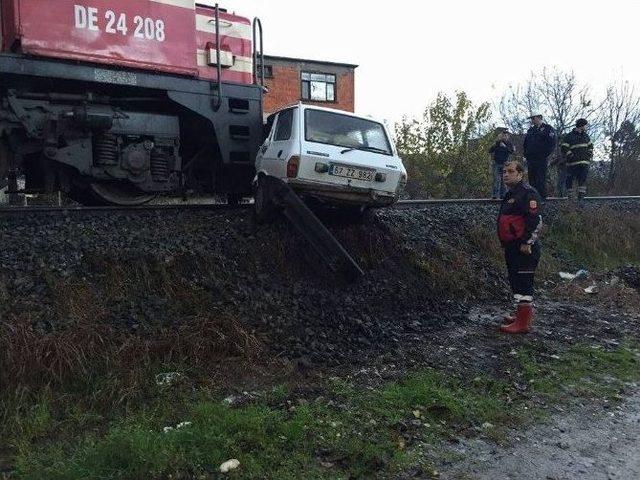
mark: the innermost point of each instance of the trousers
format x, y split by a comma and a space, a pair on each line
577, 173
499, 188
521, 269
537, 167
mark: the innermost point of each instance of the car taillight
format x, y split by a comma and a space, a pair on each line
292, 166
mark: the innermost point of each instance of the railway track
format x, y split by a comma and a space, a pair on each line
458, 201
6, 209
107, 209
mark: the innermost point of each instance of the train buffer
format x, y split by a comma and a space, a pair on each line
321, 240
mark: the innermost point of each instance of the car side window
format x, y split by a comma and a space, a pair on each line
285, 123
267, 127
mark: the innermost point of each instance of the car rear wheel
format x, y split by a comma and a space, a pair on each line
264, 208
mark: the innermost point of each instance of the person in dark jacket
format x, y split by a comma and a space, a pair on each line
500, 152
539, 142
519, 224
577, 149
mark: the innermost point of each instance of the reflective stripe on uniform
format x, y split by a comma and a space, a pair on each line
581, 162
580, 145
523, 298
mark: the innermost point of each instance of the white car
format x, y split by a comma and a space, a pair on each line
333, 156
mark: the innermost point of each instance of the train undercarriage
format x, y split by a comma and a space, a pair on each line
107, 136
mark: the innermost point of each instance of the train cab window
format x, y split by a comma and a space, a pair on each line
285, 123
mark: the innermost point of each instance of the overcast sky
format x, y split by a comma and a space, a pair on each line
408, 51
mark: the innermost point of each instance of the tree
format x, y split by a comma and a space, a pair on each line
518, 103
556, 94
627, 141
445, 152
621, 107
627, 166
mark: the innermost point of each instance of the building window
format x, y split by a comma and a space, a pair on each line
268, 71
319, 87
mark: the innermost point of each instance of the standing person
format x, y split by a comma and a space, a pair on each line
577, 149
519, 225
500, 152
538, 145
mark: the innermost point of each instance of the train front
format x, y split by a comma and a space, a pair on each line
116, 102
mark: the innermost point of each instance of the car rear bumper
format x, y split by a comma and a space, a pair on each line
343, 193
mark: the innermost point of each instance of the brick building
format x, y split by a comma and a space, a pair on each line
291, 80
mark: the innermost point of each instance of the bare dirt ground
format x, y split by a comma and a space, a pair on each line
596, 442
579, 438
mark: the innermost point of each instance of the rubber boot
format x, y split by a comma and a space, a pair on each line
524, 318
507, 319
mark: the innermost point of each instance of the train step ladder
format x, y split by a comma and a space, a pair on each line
328, 248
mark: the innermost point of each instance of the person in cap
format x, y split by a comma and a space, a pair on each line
519, 225
539, 142
577, 150
500, 152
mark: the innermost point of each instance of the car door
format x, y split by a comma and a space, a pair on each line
268, 129
282, 144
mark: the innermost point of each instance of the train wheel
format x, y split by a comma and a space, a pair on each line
119, 194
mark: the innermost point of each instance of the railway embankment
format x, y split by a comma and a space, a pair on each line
113, 324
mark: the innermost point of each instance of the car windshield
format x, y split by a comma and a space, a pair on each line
345, 131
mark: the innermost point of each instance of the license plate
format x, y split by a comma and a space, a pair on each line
351, 172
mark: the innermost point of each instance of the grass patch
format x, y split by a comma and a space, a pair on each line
485, 240
448, 275
583, 371
603, 239
359, 433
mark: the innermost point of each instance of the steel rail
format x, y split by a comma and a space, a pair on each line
245, 206
457, 201
107, 209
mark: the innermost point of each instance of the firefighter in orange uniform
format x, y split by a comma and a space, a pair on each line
519, 225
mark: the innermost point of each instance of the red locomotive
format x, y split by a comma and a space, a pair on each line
118, 101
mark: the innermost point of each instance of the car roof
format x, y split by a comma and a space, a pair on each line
304, 106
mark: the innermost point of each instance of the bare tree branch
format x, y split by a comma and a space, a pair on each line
621, 105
